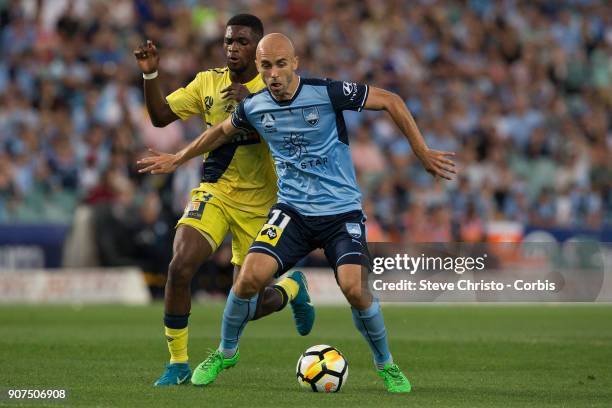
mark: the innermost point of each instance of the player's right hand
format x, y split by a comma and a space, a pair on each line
439, 163
158, 163
147, 57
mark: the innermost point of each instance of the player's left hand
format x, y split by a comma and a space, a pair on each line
439, 163
158, 163
235, 91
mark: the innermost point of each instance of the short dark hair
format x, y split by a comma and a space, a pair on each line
247, 20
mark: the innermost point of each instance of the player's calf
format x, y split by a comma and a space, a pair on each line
357, 297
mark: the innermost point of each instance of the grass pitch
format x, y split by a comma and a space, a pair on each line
455, 356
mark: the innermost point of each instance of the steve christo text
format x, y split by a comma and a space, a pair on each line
464, 285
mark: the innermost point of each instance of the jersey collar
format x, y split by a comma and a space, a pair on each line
255, 81
295, 94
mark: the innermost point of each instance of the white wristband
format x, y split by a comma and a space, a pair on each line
152, 75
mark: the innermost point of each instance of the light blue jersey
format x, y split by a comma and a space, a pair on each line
308, 140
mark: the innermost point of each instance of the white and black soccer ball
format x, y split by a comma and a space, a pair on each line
322, 368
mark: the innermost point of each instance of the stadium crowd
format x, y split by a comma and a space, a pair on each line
521, 90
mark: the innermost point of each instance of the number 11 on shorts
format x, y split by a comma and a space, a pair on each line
276, 213
271, 231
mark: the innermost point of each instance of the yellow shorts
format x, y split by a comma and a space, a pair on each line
213, 218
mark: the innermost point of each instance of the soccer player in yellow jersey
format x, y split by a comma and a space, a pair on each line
237, 189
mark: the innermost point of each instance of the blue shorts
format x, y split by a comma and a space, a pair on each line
289, 236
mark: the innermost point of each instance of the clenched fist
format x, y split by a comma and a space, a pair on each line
147, 57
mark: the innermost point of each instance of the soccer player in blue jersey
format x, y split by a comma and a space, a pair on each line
319, 203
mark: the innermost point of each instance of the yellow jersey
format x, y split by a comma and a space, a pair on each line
241, 173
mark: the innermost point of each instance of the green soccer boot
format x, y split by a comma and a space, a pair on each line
394, 379
208, 370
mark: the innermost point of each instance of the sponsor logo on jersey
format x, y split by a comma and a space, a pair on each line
353, 229
308, 164
311, 115
270, 234
295, 145
348, 88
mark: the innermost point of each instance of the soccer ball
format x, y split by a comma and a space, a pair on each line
322, 368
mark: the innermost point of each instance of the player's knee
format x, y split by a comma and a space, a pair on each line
356, 296
180, 272
246, 286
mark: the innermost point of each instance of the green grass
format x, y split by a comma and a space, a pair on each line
455, 356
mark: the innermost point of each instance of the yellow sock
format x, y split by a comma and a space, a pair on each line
177, 344
290, 286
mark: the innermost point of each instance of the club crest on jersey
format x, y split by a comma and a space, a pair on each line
268, 121
208, 102
269, 234
311, 115
353, 229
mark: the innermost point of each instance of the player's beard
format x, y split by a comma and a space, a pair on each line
237, 68
286, 83
277, 91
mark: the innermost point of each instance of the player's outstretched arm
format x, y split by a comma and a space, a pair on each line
159, 110
212, 138
436, 162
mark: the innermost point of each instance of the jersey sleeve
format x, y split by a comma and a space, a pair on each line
186, 102
347, 95
240, 119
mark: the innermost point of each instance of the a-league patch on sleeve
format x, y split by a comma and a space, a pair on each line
269, 234
194, 209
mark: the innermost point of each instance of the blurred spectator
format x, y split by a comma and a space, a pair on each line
153, 236
113, 224
471, 227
